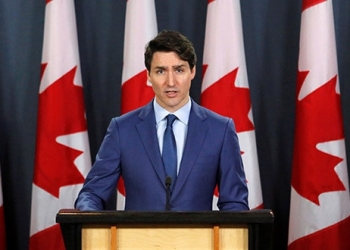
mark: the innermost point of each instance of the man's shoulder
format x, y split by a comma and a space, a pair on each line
208, 114
135, 115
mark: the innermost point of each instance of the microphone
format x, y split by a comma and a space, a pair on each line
168, 182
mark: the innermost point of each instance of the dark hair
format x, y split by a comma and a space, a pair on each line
171, 41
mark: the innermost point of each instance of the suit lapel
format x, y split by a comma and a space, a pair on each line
148, 133
197, 130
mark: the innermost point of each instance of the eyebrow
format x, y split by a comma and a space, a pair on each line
174, 67
179, 66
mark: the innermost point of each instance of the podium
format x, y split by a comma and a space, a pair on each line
126, 230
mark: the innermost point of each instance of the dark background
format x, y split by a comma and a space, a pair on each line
271, 35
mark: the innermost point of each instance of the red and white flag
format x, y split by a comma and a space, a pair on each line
2, 220
140, 28
62, 158
225, 87
320, 203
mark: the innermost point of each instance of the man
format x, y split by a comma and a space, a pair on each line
207, 150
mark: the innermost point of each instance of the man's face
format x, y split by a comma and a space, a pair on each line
171, 80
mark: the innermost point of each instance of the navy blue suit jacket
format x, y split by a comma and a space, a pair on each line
130, 149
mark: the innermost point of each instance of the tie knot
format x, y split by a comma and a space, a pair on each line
170, 119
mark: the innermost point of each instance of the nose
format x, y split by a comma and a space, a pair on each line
171, 79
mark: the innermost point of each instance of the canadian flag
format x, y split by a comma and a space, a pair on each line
140, 28
320, 203
62, 158
225, 88
2, 220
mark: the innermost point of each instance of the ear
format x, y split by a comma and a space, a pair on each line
148, 77
193, 73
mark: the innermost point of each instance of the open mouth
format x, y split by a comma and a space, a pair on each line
171, 92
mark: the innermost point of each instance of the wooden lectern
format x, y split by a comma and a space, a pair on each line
217, 230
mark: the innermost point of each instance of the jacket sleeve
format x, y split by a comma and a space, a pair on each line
232, 184
102, 179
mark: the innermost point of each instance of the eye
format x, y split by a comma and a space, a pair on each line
159, 71
179, 70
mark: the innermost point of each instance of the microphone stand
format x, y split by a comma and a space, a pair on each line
168, 182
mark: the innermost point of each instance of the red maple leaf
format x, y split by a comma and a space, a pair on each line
61, 112
224, 98
136, 92
311, 3
318, 120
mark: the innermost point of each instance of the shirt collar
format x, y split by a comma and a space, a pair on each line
182, 114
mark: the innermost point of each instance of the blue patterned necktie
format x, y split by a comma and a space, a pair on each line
169, 154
